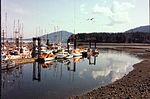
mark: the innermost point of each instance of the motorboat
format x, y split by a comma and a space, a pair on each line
95, 51
14, 54
7, 64
77, 52
46, 64
77, 59
4, 57
64, 55
61, 55
46, 57
69, 56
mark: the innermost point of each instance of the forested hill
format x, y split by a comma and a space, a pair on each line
145, 29
136, 35
59, 36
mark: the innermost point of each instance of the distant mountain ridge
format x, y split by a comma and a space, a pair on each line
145, 29
58, 36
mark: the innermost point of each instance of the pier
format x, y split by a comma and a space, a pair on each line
24, 61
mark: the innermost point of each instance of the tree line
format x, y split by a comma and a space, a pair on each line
133, 37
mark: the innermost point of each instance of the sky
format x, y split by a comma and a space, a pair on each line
40, 17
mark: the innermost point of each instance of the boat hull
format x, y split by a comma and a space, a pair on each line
75, 55
45, 59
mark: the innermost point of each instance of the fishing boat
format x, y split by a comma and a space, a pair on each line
46, 64
56, 48
77, 59
77, 52
64, 55
26, 53
46, 57
7, 64
48, 51
69, 56
4, 56
14, 54
61, 55
95, 51
83, 50
64, 61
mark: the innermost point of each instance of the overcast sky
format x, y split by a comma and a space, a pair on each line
81, 15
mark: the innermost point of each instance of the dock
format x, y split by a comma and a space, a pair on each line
24, 61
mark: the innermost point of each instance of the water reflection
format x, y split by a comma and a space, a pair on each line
75, 75
36, 72
92, 60
11, 79
113, 65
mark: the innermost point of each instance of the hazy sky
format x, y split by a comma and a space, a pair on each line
81, 15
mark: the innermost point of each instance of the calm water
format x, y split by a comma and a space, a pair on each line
61, 79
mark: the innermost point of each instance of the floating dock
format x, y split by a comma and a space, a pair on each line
24, 61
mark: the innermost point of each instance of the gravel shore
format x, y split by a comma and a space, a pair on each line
135, 85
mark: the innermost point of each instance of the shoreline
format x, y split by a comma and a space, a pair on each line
136, 84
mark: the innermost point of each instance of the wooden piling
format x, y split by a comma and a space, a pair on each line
34, 48
68, 45
75, 42
95, 44
39, 46
90, 44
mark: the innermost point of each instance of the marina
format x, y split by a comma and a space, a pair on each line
75, 49
66, 77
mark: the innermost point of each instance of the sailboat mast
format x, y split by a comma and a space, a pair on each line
21, 36
57, 35
6, 26
17, 35
44, 35
14, 32
47, 43
74, 26
3, 38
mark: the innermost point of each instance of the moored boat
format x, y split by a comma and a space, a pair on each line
46, 64
46, 57
95, 51
4, 57
61, 55
77, 52
77, 59
7, 64
69, 56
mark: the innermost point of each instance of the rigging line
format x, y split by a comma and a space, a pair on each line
74, 16
6, 24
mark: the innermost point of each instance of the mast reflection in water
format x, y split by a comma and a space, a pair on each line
60, 79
